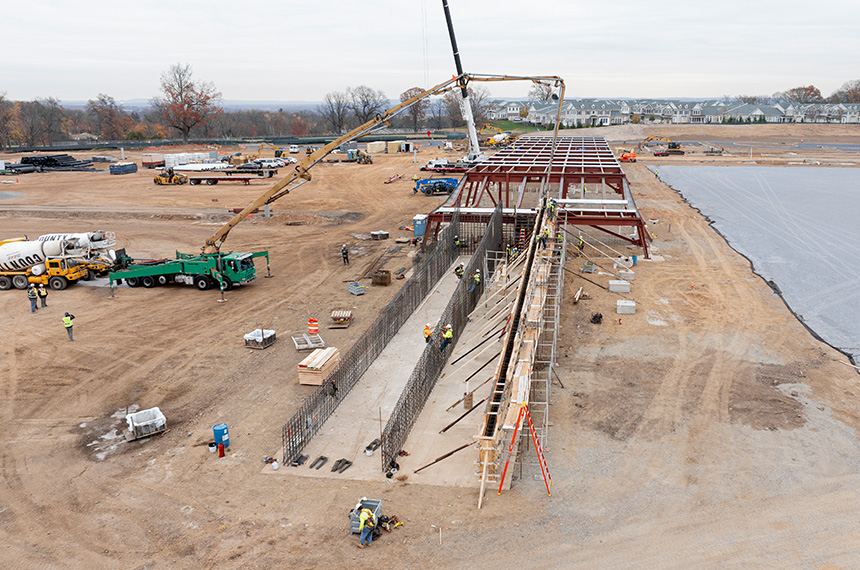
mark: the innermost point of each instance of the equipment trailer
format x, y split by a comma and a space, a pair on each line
204, 271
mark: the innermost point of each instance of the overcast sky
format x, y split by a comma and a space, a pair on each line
291, 51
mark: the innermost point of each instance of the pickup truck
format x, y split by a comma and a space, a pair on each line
660, 153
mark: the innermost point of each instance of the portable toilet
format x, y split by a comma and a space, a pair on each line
419, 224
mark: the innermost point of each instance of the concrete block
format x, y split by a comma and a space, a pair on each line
626, 274
619, 286
623, 307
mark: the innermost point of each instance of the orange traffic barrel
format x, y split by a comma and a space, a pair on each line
313, 326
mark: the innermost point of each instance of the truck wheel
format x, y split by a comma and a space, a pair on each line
162, 280
20, 281
228, 285
5, 283
211, 182
148, 281
202, 282
194, 182
57, 283
90, 275
132, 281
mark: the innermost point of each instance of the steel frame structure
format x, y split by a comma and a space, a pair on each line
517, 177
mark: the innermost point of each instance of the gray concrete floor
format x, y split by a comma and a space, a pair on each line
356, 422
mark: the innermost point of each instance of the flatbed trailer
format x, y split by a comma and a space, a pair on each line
204, 271
215, 179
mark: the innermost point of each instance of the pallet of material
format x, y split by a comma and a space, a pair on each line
123, 168
318, 366
378, 235
340, 319
381, 277
308, 342
260, 338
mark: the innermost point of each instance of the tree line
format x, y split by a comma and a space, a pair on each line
187, 106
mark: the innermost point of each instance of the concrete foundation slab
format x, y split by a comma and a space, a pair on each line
626, 274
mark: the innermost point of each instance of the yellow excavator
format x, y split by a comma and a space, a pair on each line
672, 147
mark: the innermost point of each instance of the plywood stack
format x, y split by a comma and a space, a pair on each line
318, 365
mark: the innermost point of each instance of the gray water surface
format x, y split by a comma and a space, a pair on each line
799, 226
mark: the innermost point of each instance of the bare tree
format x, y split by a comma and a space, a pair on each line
7, 119
848, 93
186, 103
109, 118
41, 121
436, 114
366, 102
540, 92
803, 94
481, 103
335, 110
418, 111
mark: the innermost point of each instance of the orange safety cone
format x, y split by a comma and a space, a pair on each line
691, 285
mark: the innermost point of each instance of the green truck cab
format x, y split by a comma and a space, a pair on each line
204, 271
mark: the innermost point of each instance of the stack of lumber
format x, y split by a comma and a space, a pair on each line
318, 365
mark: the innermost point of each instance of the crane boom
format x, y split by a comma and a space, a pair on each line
283, 186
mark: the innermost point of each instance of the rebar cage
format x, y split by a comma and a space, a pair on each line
320, 405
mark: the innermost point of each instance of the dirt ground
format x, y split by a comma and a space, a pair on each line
708, 430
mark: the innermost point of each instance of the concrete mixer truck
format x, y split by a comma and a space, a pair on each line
50, 263
95, 250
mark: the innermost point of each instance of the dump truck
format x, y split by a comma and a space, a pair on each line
204, 271
48, 263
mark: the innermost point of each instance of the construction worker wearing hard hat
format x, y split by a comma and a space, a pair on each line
476, 280
458, 271
344, 251
447, 337
367, 522
31, 294
456, 241
43, 294
67, 322
428, 333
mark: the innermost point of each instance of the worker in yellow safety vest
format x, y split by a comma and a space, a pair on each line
367, 522
67, 322
447, 336
476, 280
458, 271
428, 332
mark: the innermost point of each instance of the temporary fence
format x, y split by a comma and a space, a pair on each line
320, 405
429, 367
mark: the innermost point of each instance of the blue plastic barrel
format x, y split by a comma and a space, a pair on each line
419, 223
221, 435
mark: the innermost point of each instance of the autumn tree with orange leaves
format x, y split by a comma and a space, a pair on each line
186, 103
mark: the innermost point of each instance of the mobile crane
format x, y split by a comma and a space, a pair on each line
301, 174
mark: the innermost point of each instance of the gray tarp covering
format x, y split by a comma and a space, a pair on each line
799, 226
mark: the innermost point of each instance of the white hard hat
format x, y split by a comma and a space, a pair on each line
477, 271
428, 324
448, 326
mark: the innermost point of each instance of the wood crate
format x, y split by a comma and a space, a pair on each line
318, 366
340, 319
